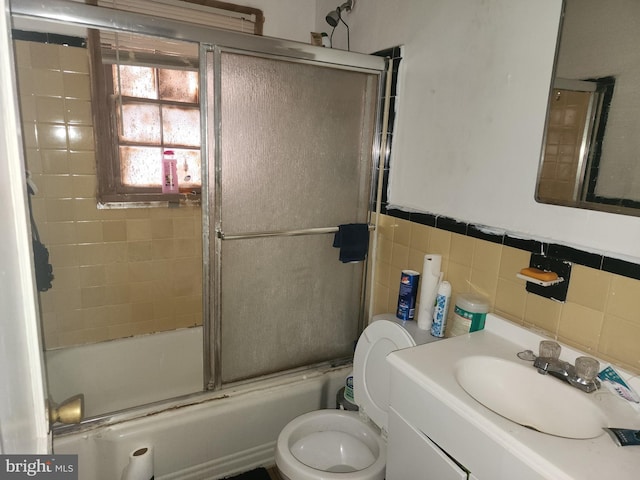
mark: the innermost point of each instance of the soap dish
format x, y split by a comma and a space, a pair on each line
540, 282
548, 277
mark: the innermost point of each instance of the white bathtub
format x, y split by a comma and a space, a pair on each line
209, 440
128, 372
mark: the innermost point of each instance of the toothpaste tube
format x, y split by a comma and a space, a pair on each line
610, 379
624, 436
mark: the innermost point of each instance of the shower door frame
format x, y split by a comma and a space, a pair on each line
83, 16
210, 59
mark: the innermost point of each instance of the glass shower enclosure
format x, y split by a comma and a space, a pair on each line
290, 140
295, 140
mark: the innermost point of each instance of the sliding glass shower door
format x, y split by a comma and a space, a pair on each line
293, 142
162, 300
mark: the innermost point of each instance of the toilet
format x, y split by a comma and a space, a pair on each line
345, 445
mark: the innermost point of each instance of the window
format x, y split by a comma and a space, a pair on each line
156, 109
146, 100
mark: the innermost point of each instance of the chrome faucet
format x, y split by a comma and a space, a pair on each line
582, 375
567, 372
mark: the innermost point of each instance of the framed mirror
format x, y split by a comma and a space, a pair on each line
591, 151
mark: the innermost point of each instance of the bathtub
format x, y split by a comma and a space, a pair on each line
220, 434
124, 373
203, 435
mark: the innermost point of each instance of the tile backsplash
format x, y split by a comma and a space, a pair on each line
600, 315
118, 272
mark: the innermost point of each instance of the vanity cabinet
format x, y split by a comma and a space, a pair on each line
439, 431
423, 426
412, 456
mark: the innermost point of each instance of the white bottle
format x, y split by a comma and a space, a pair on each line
348, 388
441, 309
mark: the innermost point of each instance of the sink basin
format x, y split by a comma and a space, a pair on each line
519, 393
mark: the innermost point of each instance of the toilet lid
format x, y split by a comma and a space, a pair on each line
371, 370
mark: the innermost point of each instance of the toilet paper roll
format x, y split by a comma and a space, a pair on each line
140, 465
431, 278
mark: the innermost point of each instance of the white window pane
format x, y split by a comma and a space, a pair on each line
149, 128
181, 126
188, 168
140, 123
178, 85
141, 166
135, 81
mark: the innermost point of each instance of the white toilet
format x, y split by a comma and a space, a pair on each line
343, 445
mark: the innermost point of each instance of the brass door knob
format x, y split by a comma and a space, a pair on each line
69, 411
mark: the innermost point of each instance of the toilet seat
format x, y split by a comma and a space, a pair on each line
306, 447
294, 466
371, 370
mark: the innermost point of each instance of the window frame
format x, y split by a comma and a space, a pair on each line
111, 192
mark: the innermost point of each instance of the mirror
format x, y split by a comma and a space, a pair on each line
592, 146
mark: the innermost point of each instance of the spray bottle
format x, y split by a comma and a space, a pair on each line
441, 309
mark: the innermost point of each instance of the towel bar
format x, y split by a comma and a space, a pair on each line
282, 233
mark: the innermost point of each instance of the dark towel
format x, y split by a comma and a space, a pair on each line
353, 241
43, 269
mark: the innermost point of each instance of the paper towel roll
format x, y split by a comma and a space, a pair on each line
140, 465
431, 278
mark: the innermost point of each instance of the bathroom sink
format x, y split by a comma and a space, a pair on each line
519, 393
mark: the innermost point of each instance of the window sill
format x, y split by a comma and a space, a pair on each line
172, 201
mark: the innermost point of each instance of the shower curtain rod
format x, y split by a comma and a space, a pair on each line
283, 233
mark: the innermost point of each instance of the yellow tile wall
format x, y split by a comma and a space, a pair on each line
117, 272
600, 315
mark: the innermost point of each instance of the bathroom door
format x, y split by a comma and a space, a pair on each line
294, 145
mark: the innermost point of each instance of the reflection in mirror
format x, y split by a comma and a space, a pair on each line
576, 125
591, 148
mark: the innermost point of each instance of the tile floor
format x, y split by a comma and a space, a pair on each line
273, 473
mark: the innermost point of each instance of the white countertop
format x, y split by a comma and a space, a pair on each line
430, 368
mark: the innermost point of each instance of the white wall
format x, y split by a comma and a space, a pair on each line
23, 427
289, 19
471, 114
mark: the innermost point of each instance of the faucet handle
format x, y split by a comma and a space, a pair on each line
527, 355
549, 349
587, 368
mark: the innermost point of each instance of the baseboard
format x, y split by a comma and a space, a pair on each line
227, 466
